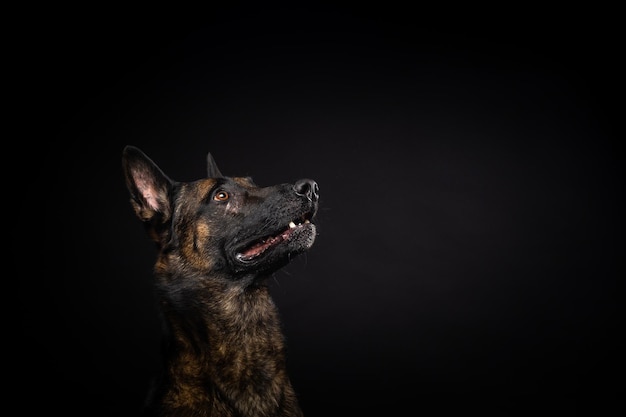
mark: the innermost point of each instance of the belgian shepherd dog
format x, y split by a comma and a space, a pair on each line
218, 239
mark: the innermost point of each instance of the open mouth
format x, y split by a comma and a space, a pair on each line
259, 246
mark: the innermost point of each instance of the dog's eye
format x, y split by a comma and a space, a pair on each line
221, 196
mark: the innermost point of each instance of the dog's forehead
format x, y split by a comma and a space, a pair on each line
203, 187
245, 182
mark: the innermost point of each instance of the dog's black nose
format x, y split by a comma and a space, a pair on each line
307, 188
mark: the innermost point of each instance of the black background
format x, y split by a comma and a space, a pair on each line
470, 233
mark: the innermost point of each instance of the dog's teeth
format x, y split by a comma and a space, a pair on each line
306, 221
292, 225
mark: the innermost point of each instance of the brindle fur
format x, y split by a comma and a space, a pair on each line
224, 353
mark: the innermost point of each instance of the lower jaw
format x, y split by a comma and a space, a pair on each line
269, 255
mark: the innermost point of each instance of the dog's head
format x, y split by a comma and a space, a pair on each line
224, 226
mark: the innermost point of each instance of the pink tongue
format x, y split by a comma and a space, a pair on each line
257, 249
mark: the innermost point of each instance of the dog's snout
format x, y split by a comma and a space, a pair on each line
308, 188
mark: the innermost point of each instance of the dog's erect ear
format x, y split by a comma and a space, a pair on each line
149, 187
211, 167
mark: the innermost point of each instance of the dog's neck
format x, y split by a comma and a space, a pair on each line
225, 349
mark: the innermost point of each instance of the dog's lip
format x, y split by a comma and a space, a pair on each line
258, 247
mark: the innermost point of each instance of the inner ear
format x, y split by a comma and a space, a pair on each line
211, 167
148, 185
151, 191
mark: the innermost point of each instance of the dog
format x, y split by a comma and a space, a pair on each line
218, 239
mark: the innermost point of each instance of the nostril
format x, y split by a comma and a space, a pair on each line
308, 188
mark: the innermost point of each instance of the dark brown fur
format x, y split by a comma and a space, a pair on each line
224, 353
